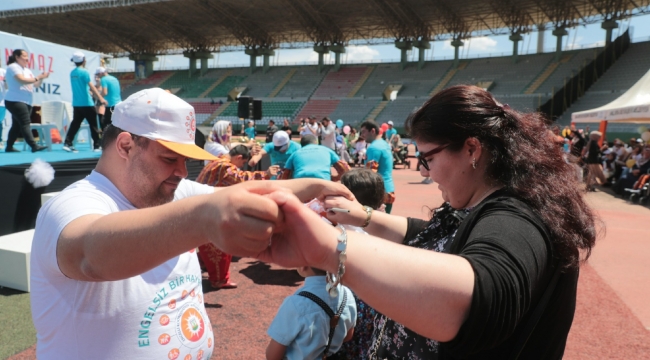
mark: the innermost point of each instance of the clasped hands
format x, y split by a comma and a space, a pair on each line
265, 220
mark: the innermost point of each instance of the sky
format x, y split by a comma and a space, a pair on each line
583, 36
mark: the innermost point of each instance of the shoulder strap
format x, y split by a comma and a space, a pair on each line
334, 318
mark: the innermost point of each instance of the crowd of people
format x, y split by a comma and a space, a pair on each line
93, 101
623, 166
118, 257
491, 274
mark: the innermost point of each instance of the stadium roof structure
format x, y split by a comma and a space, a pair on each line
122, 27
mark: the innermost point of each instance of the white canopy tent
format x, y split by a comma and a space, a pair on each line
631, 107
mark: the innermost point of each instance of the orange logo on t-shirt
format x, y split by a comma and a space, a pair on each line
199, 355
188, 357
192, 293
172, 304
192, 325
200, 299
173, 354
164, 320
164, 339
184, 295
209, 343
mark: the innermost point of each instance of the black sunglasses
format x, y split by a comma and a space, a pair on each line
422, 157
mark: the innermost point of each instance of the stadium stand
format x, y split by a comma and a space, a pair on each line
414, 82
629, 68
271, 109
303, 83
339, 83
260, 84
571, 62
318, 108
398, 110
125, 79
508, 77
204, 110
353, 111
355, 93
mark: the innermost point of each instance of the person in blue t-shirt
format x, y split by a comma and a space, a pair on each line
313, 161
82, 103
302, 329
280, 149
250, 130
390, 132
112, 93
379, 158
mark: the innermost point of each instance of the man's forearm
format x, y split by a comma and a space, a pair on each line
124, 244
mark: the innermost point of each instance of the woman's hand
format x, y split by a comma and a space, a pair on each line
302, 239
356, 216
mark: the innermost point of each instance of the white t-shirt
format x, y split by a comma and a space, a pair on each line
310, 129
3, 72
156, 315
18, 91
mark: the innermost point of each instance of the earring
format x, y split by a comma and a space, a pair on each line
474, 163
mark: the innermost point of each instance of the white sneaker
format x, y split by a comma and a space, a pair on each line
70, 148
97, 149
427, 180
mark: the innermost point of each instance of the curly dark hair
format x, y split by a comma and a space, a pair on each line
523, 158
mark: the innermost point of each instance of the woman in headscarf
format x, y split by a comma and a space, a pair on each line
219, 140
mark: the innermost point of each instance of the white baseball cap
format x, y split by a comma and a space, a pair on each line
100, 70
163, 117
390, 122
78, 57
280, 139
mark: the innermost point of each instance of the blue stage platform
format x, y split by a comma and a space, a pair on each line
56, 155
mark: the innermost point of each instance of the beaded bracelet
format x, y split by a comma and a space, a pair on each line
333, 280
368, 211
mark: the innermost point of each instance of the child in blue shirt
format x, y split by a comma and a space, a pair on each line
300, 329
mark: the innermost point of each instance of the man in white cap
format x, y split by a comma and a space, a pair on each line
280, 149
114, 272
82, 103
111, 92
390, 132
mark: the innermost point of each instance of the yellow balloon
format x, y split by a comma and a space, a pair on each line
630, 162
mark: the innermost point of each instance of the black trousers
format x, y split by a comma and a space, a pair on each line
108, 117
20, 120
79, 114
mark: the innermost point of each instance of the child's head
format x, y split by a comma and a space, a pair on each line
306, 271
366, 185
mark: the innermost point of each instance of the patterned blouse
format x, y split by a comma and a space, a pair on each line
222, 172
392, 340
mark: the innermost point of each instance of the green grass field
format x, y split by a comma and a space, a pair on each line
17, 331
